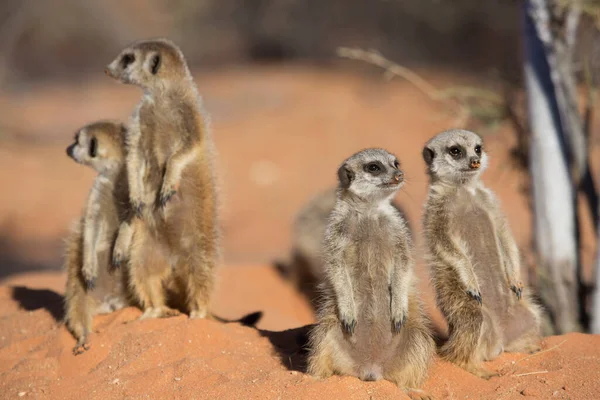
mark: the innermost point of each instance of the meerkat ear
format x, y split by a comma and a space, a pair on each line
428, 155
346, 176
155, 63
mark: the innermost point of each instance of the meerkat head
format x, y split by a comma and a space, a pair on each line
455, 156
371, 174
99, 145
150, 64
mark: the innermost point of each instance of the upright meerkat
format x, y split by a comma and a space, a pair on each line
370, 322
91, 287
473, 256
171, 177
304, 266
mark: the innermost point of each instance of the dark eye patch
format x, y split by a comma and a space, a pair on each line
155, 64
93, 147
374, 168
478, 149
127, 59
455, 151
396, 164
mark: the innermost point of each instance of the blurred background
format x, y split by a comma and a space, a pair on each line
293, 87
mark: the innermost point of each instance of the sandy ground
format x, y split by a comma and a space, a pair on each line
192, 359
281, 133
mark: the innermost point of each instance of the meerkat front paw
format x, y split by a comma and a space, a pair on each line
475, 294
348, 324
398, 322
117, 259
517, 289
166, 194
89, 272
138, 207
119, 253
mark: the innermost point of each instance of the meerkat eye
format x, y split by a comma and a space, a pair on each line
93, 147
127, 59
155, 64
396, 164
454, 151
373, 168
478, 149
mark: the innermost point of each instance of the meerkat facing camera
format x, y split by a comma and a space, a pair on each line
370, 321
91, 287
171, 176
304, 266
473, 257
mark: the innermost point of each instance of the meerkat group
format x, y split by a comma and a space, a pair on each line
149, 236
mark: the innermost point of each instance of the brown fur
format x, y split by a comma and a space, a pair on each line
92, 287
304, 267
172, 182
474, 259
370, 321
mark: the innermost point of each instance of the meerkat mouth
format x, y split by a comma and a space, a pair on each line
391, 184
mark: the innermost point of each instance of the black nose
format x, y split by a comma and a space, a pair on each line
70, 150
474, 163
398, 176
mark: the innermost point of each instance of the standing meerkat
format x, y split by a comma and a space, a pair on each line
370, 321
473, 257
171, 177
304, 266
91, 287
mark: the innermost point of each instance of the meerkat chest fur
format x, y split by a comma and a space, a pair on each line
473, 222
166, 123
100, 201
370, 255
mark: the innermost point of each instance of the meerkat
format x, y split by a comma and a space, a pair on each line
304, 266
370, 321
171, 175
474, 258
91, 287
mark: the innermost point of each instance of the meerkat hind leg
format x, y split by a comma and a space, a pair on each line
521, 331
199, 284
320, 361
463, 346
146, 280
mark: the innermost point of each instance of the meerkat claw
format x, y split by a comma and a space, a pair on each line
348, 326
116, 261
475, 295
90, 284
80, 348
138, 208
398, 324
518, 290
165, 198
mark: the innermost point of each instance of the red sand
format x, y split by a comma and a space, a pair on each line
199, 359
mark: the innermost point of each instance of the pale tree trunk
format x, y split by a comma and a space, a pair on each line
553, 189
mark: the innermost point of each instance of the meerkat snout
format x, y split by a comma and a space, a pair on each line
70, 150
399, 176
475, 163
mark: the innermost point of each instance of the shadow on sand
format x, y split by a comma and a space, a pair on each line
291, 346
34, 299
